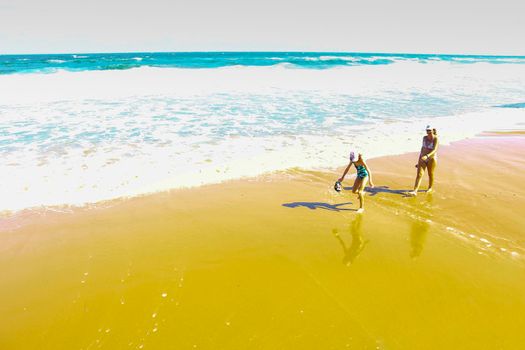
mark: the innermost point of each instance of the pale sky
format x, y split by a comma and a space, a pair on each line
411, 26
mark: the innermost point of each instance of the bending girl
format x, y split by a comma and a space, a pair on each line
363, 176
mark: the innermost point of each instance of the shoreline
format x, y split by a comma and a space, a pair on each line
61, 194
10, 218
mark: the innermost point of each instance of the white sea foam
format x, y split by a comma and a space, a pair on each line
75, 138
329, 58
88, 174
405, 76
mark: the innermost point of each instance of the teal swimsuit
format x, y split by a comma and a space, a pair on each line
361, 171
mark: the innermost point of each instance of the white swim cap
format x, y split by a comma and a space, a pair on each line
353, 155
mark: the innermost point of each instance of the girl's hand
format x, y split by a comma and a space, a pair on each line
340, 180
372, 185
424, 158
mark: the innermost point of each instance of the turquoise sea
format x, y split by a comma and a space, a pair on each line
49, 63
80, 128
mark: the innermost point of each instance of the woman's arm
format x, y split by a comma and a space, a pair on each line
422, 148
345, 172
419, 157
369, 174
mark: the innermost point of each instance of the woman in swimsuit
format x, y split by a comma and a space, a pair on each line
363, 176
427, 160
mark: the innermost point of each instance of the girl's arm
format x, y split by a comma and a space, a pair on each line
369, 174
436, 145
344, 173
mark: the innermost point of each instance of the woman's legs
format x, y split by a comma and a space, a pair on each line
431, 165
419, 176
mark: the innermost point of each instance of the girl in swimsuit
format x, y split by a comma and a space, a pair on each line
427, 160
363, 176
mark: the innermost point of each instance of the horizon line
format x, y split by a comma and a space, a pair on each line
269, 51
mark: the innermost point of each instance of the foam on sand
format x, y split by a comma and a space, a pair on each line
84, 173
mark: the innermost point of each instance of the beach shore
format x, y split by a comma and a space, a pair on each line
282, 261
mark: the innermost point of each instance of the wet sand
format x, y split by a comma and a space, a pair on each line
282, 262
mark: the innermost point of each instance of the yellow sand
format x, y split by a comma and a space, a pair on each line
279, 262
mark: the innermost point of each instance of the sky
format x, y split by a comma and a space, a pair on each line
401, 26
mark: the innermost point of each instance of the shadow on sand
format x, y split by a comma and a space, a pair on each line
383, 189
337, 207
319, 205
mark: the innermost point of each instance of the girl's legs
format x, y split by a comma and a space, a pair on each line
432, 163
361, 192
419, 176
357, 184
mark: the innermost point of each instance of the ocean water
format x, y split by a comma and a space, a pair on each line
81, 128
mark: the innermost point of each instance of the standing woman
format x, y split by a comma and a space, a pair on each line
427, 160
364, 175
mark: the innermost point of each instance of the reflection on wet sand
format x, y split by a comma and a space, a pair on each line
418, 236
358, 243
420, 228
